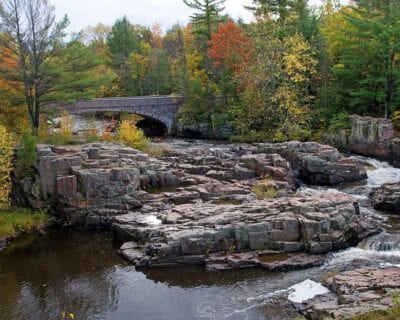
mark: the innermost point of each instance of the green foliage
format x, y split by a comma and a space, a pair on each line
277, 102
201, 103
73, 74
363, 43
26, 157
47, 70
122, 41
15, 221
339, 122
207, 16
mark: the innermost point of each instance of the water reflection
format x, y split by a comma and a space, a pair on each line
42, 276
80, 272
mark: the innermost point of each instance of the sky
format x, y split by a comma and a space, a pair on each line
83, 13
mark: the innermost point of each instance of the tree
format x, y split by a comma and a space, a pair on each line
96, 38
174, 46
208, 16
122, 41
229, 47
291, 15
139, 64
273, 9
275, 96
364, 49
48, 70
33, 35
231, 51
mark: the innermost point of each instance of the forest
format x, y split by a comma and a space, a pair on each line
293, 72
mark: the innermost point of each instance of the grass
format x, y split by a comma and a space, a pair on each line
15, 221
157, 151
264, 190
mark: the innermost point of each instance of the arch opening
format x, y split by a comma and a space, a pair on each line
152, 127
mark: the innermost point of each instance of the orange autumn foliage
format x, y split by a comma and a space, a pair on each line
229, 47
8, 65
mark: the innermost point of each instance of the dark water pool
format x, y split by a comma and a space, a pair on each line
45, 276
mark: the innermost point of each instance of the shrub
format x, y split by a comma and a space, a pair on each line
396, 120
130, 135
265, 190
6, 154
26, 156
67, 124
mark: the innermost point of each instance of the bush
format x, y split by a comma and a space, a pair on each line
131, 136
26, 156
67, 125
396, 120
265, 190
6, 155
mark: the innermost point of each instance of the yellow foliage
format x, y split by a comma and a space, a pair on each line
265, 189
130, 135
6, 153
334, 25
67, 124
298, 59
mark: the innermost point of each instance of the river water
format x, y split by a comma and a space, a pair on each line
63, 272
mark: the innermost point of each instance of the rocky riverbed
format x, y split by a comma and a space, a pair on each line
222, 206
195, 204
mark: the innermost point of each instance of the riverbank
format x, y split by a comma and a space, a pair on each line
17, 221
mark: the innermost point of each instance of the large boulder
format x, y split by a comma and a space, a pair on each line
316, 163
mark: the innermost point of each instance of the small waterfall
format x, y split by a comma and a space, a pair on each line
379, 172
381, 249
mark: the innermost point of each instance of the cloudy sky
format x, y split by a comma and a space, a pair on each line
83, 13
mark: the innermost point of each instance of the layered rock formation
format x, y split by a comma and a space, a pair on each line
387, 198
195, 205
371, 137
355, 292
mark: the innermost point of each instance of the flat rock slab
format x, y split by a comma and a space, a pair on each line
270, 261
353, 293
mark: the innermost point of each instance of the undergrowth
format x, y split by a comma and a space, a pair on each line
14, 221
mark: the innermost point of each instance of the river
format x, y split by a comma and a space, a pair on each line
62, 272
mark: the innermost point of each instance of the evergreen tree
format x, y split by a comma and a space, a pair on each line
366, 67
275, 9
206, 19
122, 41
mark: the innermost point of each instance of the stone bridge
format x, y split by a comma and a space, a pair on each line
161, 108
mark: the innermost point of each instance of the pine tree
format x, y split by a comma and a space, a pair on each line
206, 19
122, 41
366, 65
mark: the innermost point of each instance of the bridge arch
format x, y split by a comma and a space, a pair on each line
161, 108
